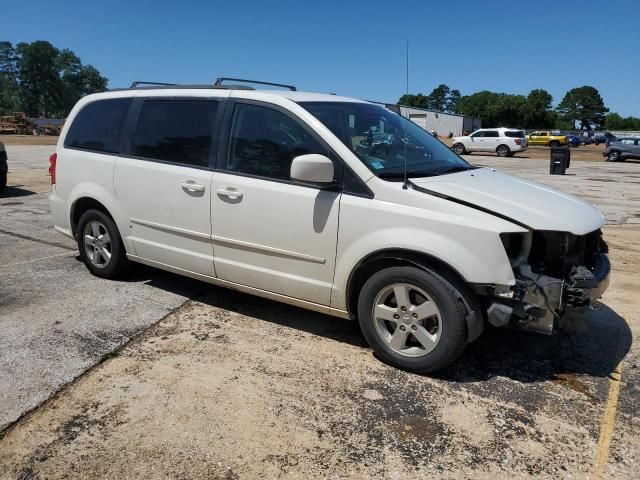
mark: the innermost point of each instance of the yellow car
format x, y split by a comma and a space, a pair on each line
546, 138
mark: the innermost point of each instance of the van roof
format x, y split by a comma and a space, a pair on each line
294, 95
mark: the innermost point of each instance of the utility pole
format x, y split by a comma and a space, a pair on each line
407, 67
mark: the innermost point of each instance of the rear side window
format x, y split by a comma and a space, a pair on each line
514, 133
98, 126
264, 142
175, 131
491, 133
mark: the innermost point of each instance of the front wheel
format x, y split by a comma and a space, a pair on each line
100, 245
613, 156
413, 319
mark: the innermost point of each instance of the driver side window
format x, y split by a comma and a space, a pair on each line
265, 141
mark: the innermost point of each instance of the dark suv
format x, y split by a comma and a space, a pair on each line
622, 148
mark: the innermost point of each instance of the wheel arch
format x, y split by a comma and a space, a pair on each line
81, 205
394, 257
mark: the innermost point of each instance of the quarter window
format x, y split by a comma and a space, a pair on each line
176, 131
265, 141
98, 126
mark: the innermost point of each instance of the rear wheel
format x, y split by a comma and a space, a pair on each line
613, 156
100, 245
503, 150
459, 149
554, 144
413, 319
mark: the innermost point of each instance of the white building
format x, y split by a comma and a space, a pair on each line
443, 123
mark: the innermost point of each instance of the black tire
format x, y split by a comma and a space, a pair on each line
459, 149
554, 144
503, 151
511, 154
118, 263
451, 322
3, 182
614, 156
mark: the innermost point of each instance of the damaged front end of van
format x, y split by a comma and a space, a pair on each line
557, 276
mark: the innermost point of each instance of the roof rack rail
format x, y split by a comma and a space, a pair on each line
257, 82
138, 83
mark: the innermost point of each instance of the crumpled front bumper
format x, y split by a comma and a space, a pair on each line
539, 302
588, 286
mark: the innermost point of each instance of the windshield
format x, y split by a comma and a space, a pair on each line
384, 141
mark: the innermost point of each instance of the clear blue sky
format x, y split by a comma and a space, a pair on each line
348, 47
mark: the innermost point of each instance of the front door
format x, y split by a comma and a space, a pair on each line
270, 232
164, 185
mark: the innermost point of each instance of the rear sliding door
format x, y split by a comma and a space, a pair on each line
164, 183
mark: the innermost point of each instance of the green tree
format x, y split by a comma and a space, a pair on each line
410, 100
43, 80
9, 85
495, 109
40, 82
585, 105
452, 101
441, 99
614, 121
437, 99
538, 112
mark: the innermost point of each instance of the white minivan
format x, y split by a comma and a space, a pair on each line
329, 203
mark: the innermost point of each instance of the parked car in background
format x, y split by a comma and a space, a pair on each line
585, 140
605, 138
573, 140
4, 167
505, 142
622, 148
310, 208
546, 138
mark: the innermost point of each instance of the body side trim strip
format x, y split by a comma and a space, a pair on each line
179, 231
272, 250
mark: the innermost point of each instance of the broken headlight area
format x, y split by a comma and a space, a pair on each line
556, 273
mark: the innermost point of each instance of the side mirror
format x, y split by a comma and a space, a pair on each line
312, 168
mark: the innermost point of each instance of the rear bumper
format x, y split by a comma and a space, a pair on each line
61, 220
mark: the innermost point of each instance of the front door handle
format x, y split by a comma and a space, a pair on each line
232, 194
192, 187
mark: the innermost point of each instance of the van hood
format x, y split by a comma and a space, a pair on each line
528, 203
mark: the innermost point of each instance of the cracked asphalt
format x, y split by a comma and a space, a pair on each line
217, 384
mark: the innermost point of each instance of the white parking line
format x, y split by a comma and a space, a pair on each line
65, 254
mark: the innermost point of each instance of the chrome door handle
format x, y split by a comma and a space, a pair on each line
192, 187
233, 194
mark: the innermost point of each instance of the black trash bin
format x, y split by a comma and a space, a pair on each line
560, 160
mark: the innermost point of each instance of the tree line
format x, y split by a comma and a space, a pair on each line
42, 80
581, 108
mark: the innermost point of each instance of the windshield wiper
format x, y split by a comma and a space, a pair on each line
410, 174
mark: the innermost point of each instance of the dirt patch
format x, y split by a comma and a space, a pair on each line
29, 139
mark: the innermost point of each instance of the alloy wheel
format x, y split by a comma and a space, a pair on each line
97, 244
407, 319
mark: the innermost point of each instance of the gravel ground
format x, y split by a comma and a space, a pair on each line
231, 386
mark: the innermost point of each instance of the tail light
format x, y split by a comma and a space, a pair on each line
52, 167
518, 141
